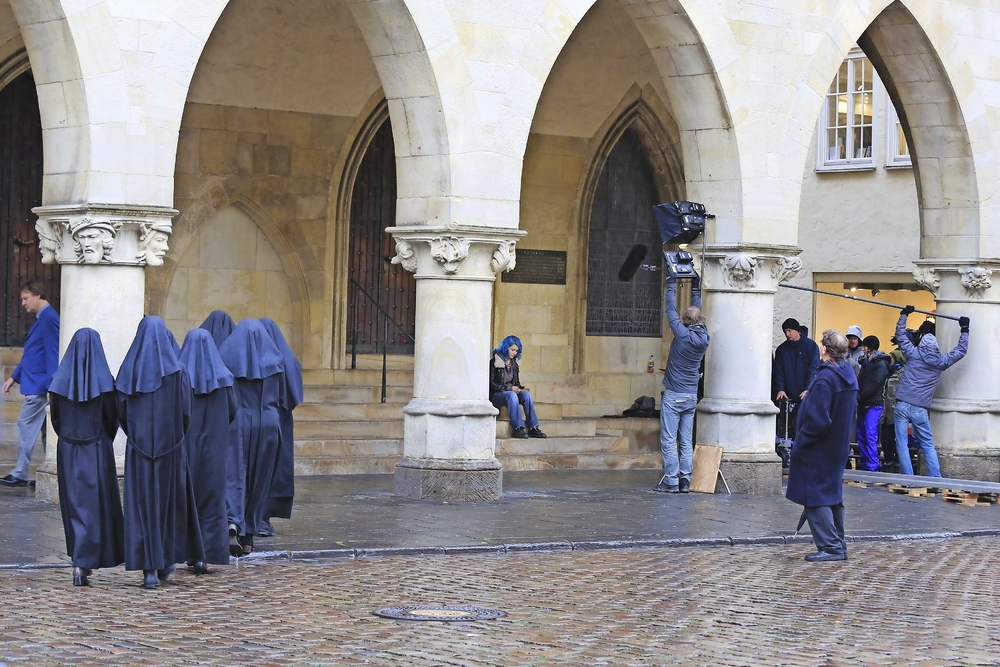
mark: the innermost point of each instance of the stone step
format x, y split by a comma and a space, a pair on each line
367, 465
514, 446
363, 447
394, 362
543, 410
360, 377
348, 411
346, 465
356, 394
554, 427
311, 430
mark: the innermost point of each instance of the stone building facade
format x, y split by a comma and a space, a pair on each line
238, 134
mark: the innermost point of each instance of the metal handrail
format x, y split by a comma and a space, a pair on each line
385, 333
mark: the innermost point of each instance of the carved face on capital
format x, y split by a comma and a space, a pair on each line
92, 244
156, 248
48, 242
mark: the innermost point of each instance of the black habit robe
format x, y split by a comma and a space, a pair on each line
213, 408
154, 410
83, 412
220, 325
255, 434
283, 483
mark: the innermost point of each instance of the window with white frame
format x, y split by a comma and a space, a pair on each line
847, 136
898, 151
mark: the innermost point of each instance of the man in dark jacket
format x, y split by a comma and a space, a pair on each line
818, 459
795, 364
34, 373
680, 389
924, 365
874, 369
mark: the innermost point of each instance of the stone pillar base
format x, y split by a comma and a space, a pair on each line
442, 479
753, 474
978, 465
46, 486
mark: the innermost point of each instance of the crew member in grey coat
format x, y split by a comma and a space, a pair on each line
818, 459
680, 389
924, 365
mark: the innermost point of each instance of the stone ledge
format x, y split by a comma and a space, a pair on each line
462, 481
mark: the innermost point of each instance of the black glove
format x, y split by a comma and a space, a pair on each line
696, 283
907, 310
963, 322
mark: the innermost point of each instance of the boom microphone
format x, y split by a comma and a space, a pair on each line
632, 262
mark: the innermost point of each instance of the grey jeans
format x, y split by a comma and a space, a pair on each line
29, 424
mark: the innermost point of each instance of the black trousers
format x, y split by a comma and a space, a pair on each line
826, 522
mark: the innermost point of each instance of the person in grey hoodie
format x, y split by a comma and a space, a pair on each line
680, 389
924, 365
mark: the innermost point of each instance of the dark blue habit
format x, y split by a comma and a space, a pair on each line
220, 325
84, 415
154, 409
283, 483
254, 435
213, 408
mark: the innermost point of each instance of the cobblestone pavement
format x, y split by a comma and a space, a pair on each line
929, 603
360, 512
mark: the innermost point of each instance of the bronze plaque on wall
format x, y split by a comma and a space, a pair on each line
541, 267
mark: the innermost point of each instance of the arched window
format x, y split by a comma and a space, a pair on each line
376, 287
621, 217
20, 191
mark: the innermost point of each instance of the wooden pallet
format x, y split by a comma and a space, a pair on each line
969, 499
860, 485
913, 491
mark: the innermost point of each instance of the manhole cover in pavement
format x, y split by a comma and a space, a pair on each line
430, 613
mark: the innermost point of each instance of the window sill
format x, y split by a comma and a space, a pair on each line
832, 169
907, 165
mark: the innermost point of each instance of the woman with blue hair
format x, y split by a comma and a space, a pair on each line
506, 389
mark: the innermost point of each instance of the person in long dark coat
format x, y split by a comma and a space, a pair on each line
254, 435
819, 456
283, 482
220, 325
213, 408
154, 410
85, 417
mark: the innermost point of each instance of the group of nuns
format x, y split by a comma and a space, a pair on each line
209, 457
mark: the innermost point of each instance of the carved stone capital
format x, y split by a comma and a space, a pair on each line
975, 280
103, 234
747, 268
469, 253
927, 278
967, 281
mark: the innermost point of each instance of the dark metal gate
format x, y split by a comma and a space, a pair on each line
381, 296
20, 191
621, 217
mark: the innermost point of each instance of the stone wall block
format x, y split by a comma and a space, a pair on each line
406, 76
204, 116
217, 151
279, 160
243, 119
289, 128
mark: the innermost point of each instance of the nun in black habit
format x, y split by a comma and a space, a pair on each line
84, 415
213, 408
283, 483
154, 409
220, 325
254, 435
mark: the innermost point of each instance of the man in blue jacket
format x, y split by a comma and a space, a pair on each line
818, 459
924, 365
38, 364
680, 389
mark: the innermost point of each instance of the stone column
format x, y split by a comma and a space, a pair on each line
738, 285
103, 249
450, 425
965, 414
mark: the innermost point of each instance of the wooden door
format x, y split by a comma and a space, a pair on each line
381, 296
20, 191
621, 217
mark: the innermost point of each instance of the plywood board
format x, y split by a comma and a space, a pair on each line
705, 470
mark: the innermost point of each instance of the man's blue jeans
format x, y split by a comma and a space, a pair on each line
916, 415
676, 426
511, 400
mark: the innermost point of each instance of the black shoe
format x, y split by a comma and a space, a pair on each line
684, 485
149, 579
10, 480
823, 556
80, 576
663, 487
235, 548
200, 567
536, 433
519, 432
163, 575
266, 529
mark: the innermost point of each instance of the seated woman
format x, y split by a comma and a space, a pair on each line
506, 389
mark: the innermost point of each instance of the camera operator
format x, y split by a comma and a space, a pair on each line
680, 388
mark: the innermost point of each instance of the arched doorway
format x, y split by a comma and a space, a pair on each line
381, 297
621, 217
20, 191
